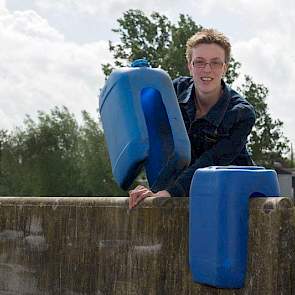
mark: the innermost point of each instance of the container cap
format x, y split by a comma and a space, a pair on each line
140, 63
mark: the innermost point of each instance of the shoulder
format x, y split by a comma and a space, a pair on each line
183, 80
238, 104
183, 86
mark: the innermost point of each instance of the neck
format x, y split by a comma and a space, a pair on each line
204, 101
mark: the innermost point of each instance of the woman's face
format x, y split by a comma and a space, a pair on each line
207, 68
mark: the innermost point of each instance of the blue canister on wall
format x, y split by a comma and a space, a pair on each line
218, 226
143, 125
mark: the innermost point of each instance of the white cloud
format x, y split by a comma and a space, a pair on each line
39, 70
2, 4
269, 58
93, 7
26, 25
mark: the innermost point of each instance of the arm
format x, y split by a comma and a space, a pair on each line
140, 192
222, 153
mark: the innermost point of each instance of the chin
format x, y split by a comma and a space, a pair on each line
206, 90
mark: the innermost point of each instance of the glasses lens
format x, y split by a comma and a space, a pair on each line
199, 64
214, 65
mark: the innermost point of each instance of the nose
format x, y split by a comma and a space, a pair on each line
207, 67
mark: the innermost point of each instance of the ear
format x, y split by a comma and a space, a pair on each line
225, 67
190, 68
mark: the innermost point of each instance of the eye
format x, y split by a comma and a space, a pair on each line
216, 65
199, 64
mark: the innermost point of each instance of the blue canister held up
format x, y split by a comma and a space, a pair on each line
218, 226
143, 126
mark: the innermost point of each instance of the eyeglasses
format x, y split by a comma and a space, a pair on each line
214, 65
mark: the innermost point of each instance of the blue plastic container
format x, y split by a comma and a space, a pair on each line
218, 228
143, 126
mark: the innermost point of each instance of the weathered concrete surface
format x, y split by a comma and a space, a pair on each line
96, 246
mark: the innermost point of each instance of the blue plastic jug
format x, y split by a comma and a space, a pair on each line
218, 226
143, 126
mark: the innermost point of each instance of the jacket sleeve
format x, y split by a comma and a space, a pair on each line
222, 153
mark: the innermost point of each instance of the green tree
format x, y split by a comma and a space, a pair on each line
94, 163
164, 45
3, 172
55, 156
267, 142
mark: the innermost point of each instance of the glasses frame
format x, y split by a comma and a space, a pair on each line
214, 65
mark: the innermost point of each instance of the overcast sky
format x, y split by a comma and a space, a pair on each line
51, 50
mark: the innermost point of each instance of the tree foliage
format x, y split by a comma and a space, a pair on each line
54, 156
164, 44
267, 142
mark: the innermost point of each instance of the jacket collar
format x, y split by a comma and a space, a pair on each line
217, 112
187, 90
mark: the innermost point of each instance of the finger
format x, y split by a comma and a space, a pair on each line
163, 193
131, 202
137, 189
134, 195
130, 198
143, 196
140, 187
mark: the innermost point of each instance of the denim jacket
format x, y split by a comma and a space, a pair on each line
218, 138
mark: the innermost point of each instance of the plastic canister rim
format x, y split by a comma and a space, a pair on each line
140, 63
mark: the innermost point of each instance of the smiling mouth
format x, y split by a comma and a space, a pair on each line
206, 79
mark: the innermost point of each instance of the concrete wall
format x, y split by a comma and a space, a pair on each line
285, 182
97, 246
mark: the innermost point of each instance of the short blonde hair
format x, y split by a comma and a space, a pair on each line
208, 36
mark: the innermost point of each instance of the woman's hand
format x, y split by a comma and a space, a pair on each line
141, 192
